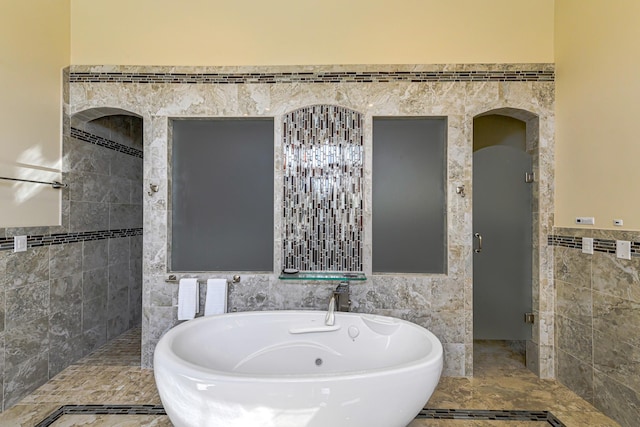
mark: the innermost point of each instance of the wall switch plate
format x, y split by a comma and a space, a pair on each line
623, 249
587, 245
19, 243
585, 220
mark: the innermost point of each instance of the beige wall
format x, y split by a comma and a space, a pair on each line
294, 32
34, 48
597, 68
597, 111
40, 37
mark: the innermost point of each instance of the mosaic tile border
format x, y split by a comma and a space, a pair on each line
599, 245
323, 189
489, 414
101, 410
434, 414
62, 238
316, 77
103, 142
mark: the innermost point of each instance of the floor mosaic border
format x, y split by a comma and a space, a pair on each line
435, 414
490, 414
101, 410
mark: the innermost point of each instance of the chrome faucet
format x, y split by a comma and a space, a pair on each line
342, 294
340, 301
330, 318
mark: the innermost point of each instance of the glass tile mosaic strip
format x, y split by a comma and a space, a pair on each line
316, 77
565, 241
599, 245
605, 245
103, 142
323, 186
61, 238
487, 414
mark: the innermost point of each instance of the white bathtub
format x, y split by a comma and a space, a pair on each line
286, 368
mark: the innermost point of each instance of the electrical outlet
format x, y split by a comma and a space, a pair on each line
623, 249
19, 243
587, 245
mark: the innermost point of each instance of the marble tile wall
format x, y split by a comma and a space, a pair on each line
442, 302
79, 284
597, 319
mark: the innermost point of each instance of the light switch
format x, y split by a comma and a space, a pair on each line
19, 243
587, 245
623, 249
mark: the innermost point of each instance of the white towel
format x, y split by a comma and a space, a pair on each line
216, 302
188, 299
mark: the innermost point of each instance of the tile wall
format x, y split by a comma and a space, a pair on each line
78, 284
597, 321
441, 302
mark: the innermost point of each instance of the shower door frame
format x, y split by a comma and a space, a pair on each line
541, 346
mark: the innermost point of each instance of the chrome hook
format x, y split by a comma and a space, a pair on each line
153, 189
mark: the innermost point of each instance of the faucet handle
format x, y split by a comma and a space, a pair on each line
332, 302
330, 318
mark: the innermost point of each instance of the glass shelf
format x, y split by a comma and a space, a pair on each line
323, 275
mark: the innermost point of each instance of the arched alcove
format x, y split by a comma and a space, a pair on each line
98, 112
103, 164
531, 120
539, 349
494, 129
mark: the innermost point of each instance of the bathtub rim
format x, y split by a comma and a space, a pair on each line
432, 361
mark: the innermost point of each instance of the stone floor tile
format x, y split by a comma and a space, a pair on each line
112, 375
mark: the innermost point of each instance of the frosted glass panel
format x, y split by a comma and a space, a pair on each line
502, 271
409, 212
222, 195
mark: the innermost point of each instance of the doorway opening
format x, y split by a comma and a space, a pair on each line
504, 162
104, 165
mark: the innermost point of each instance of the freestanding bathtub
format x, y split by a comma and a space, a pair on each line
287, 368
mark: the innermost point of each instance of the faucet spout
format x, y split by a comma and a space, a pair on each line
342, 296
330, 318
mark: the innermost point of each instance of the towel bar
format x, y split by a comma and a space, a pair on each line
53, 184
174, 279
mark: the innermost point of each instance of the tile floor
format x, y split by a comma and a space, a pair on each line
112, 375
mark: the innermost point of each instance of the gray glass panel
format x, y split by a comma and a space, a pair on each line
502, 216
409, 212
222, 195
